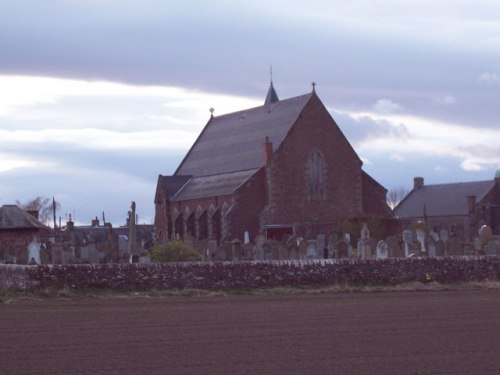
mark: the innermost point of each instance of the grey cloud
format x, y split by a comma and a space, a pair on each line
366, 128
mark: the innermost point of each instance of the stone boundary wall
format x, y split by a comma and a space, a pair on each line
221, 275
13, 276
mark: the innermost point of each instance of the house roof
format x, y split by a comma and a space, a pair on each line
14, 217
234, 142
441, 199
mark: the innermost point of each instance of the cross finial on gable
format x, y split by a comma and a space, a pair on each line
314, 86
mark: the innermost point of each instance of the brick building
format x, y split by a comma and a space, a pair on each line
278, 169
460, 208
18, 229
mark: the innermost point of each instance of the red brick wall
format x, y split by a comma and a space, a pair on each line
374, 198
287, 172
15, 242
249, 202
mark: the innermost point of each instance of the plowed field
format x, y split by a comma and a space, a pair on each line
444, 332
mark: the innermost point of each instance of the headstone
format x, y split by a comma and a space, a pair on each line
236, 250
302, 248
485, 234
432, 248
382, 250
311, 252
34, 252
246, 237
343, 249
394, 248
421, 239
407, 238
444, 235
320, 246
212, 249
365, 232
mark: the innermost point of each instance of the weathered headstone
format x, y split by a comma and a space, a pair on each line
211, 249
236, 250
34, 252
485, 234
432, 248
382, 250
343, 249
444, 235
320, 245
407, 238
311, 249
395, 250
421, 239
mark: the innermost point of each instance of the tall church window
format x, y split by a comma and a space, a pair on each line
316, 176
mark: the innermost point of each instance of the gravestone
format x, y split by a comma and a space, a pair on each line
440, 248
382, 250
320, 245
444, 235
302, 248
407, 238
421, 239
395, 250
485, 234
236, 250
34, 252
343, 249
311, 252
432, 248
268, 251
211, 249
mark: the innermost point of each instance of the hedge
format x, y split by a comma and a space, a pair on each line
230, 275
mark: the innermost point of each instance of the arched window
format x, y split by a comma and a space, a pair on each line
316, 168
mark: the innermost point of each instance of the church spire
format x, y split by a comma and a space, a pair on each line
271, 97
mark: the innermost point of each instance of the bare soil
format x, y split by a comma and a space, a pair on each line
431, 332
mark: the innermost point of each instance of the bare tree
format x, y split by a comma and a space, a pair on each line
396, 195
44, 206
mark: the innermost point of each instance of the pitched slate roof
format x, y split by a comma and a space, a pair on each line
14, 217
234, 142
442, 199
170, 185
208, 186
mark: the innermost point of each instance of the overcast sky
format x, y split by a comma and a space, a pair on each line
99, 97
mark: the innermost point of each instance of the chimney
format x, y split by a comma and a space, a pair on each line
70, 225
471, 203
418, 182
95, 222
33, 212
268, 150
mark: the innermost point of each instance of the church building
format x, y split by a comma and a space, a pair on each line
283, 168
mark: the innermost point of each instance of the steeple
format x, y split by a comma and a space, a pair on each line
271, 97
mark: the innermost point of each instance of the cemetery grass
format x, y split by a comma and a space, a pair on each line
9, 296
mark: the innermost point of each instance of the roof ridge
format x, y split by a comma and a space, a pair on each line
263, 106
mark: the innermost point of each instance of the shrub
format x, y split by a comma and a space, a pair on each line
173, 251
